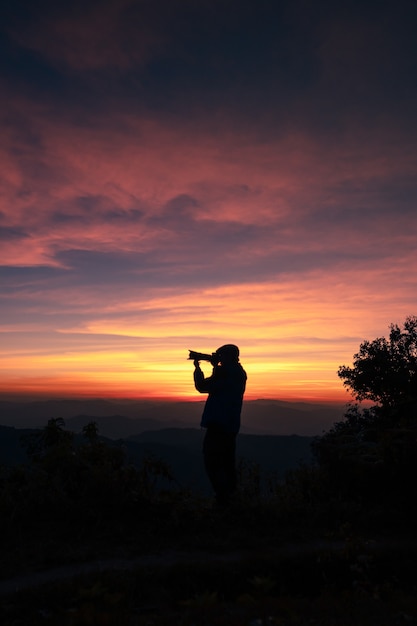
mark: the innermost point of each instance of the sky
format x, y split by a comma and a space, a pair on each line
180, 175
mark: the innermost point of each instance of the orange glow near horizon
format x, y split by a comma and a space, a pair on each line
286, 355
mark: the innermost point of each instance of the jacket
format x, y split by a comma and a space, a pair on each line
225, 387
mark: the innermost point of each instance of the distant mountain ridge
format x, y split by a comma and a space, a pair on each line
121, 418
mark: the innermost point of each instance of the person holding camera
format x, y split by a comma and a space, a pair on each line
221, 416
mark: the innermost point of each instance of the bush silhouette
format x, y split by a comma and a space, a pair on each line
370, 457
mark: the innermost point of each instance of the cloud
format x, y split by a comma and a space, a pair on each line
10, 233
298, 328
287, 66
233, 201
178, 172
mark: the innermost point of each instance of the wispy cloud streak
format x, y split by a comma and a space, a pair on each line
169, 177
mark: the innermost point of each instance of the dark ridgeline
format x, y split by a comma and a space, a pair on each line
123, 418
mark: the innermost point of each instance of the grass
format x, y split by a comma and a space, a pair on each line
325, 588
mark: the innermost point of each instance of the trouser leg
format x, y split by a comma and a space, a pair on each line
219, 451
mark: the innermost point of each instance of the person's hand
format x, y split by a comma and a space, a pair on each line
197, 364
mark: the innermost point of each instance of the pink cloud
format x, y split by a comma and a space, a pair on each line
118, 185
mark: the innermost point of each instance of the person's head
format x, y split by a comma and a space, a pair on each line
229, 353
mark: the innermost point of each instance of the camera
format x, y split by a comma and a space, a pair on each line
200, 356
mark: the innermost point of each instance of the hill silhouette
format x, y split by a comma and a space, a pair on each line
179, 448
128, 417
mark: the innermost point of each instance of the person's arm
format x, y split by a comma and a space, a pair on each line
202, 384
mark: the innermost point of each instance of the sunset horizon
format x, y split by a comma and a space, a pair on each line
177, 176
32, 393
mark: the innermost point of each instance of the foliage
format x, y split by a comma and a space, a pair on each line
385, 370
370, 457
72, 488
249, 480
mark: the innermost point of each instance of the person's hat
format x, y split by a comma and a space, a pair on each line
228, 351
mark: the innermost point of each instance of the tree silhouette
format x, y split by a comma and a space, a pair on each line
385, 370
371, 456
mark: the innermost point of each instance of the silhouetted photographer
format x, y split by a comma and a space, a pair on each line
221, 415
